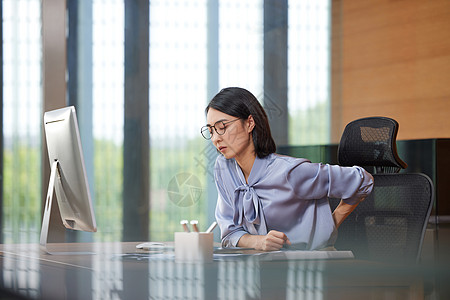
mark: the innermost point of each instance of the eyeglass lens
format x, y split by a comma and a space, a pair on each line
219, 127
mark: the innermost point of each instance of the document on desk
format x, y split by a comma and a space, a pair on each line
307, 255
288, 255
231, 250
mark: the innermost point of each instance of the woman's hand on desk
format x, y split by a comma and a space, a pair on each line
272, 241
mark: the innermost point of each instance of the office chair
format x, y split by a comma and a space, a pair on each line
389, 225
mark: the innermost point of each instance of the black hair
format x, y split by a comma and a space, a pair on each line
240, 103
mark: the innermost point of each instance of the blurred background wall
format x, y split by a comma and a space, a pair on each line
392, 58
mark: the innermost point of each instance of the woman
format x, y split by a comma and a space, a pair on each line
267, 201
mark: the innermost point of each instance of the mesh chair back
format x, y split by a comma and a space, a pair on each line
371, 142
389, 225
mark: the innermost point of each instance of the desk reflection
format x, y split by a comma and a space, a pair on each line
21, 275
305, 280
239, 279
119, 271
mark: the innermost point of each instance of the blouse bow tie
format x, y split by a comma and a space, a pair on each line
246, 197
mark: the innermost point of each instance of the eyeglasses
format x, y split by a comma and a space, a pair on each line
219, 127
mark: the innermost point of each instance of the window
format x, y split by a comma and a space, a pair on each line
22, 138
22, 103
309, 69
195, 49
108, 102
177, 99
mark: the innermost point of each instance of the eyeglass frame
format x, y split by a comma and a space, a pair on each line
210, 127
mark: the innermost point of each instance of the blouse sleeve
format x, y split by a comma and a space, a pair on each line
225, 214
315, 181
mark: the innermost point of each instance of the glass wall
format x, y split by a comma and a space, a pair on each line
178, 73
184, 37
107, 113
309, 69
22, 102
241, 45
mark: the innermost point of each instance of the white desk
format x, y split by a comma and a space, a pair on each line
111, 275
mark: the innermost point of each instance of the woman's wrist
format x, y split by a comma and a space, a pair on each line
249, 241
341, 212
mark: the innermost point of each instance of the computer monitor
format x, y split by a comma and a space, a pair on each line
68, 174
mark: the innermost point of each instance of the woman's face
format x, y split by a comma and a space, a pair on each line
237, 139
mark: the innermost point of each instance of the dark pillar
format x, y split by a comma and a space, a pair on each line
136, 123
275, 68
72, 53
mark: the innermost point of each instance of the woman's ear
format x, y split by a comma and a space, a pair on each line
250, 124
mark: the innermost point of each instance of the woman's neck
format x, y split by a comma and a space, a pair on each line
246, 161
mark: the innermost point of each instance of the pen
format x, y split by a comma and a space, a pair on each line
194, 225
184, 224
211, 227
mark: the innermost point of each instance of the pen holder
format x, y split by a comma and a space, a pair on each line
194, 246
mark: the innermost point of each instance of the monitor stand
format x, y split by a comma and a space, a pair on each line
54, 175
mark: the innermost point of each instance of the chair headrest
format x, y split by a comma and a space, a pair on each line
371, 142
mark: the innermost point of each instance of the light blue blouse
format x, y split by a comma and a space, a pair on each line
286, 194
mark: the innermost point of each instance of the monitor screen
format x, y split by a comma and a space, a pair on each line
68, 174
